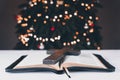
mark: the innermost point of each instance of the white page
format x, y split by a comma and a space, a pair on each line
36, 60
33, 58
84, 59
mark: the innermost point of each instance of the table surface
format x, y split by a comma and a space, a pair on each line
9, 56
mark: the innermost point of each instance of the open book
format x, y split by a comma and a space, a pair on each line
82, 62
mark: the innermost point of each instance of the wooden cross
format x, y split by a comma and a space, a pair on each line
57, 55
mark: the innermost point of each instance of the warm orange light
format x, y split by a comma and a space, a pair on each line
97, 18
39, 14
82, 4
89, 7
24, 24
29, 16
63, 23
86, 5
92, 5
46, 7
66, 17
87, 39
19, 17
75, 37
60, 2
68, 44
64, 43
84, 34
81, 17
77, 33
91, 30
44, 1
25, 19
34, 0
98, 48
35, 20
39, 0
29, 31
26, 44
44, 21
74, 0
67, 5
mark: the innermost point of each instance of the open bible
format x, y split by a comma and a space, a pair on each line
82, 62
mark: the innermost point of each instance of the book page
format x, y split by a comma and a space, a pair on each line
83, 60
35, 60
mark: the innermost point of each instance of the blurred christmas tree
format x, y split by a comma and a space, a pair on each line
54, 24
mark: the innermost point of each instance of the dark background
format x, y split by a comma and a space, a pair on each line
109, 21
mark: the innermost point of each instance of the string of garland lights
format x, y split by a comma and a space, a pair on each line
48, 24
